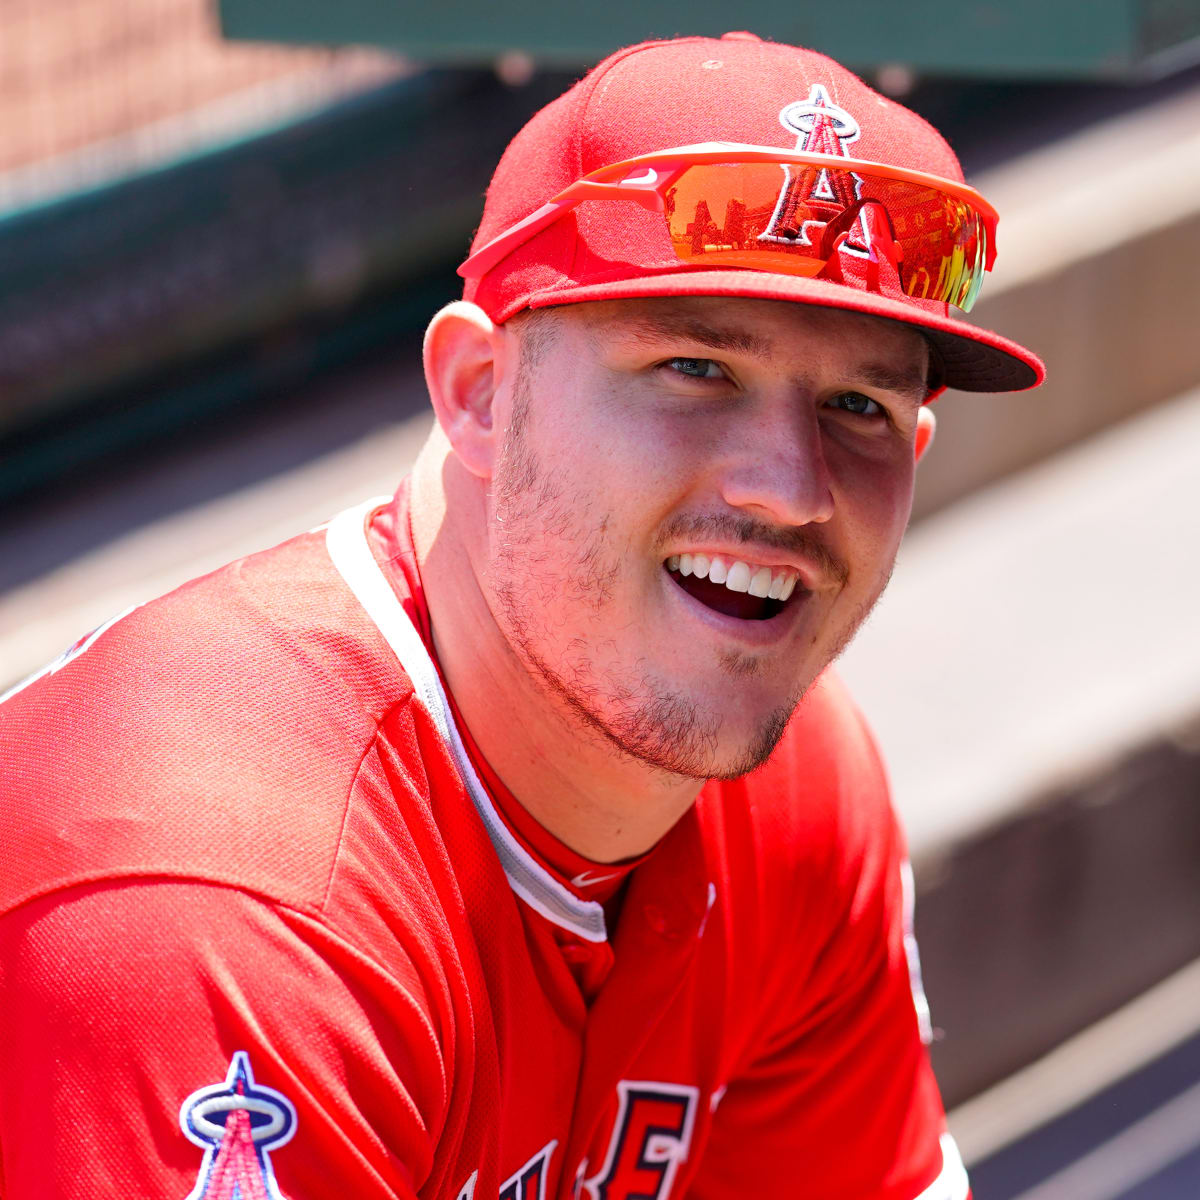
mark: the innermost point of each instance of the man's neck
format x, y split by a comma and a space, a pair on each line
600, 801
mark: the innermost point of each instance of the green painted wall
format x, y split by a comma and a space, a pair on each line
1110, 39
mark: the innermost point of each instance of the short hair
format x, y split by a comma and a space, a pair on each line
536, 329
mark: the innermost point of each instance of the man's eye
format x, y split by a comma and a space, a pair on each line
696, 368
859, 405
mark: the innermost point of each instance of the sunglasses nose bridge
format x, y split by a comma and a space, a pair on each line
645, 190
647, 184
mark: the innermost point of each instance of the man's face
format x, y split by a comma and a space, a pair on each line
772, 435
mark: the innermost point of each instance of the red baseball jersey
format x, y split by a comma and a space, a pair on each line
265, 932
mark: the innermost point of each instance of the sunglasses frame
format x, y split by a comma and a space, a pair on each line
664, 167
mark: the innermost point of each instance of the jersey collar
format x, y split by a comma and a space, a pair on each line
348, 548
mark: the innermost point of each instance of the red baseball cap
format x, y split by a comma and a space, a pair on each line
738, 88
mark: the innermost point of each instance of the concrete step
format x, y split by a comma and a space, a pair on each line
1033, 675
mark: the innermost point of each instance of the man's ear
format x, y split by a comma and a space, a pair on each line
926, 427
465, 358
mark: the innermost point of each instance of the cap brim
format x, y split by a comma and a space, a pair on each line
972, 359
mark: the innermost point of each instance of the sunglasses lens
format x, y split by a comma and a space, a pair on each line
791, 217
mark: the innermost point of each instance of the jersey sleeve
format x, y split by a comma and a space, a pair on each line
176, 1039
835, 1095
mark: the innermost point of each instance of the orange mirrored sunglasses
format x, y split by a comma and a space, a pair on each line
766, 209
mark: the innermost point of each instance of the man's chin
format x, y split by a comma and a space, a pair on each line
724, 754
673, 731
756, 749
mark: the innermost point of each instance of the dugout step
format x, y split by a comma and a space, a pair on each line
1033, 674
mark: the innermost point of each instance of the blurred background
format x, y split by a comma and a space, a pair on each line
223, 227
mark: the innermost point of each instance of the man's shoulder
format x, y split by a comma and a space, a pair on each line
809, 849
215, 733
822, 800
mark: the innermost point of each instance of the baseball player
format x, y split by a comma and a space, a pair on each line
510, 837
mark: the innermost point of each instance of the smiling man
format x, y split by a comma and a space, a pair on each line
511, 836
676, 512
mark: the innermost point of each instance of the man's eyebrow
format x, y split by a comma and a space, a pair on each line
657, 328
893, 379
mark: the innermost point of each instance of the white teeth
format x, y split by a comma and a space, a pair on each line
736, 576
739, 578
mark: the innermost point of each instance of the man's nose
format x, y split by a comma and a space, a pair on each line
780, 472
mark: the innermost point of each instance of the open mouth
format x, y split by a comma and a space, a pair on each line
733, 587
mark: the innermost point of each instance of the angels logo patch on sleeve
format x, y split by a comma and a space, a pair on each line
237, 1123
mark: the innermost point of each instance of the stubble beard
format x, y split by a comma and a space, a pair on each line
637, 714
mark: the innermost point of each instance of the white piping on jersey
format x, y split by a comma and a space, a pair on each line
951, 1183
346, 542
912, 953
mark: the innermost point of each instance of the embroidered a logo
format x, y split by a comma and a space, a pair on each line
821, 127
237, 1123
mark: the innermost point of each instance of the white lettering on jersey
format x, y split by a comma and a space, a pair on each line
650, 1139
529, 1182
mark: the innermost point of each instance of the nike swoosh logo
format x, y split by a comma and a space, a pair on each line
586, 878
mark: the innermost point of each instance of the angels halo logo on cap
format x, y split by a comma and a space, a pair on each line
821, 127
659, 97
803, 117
